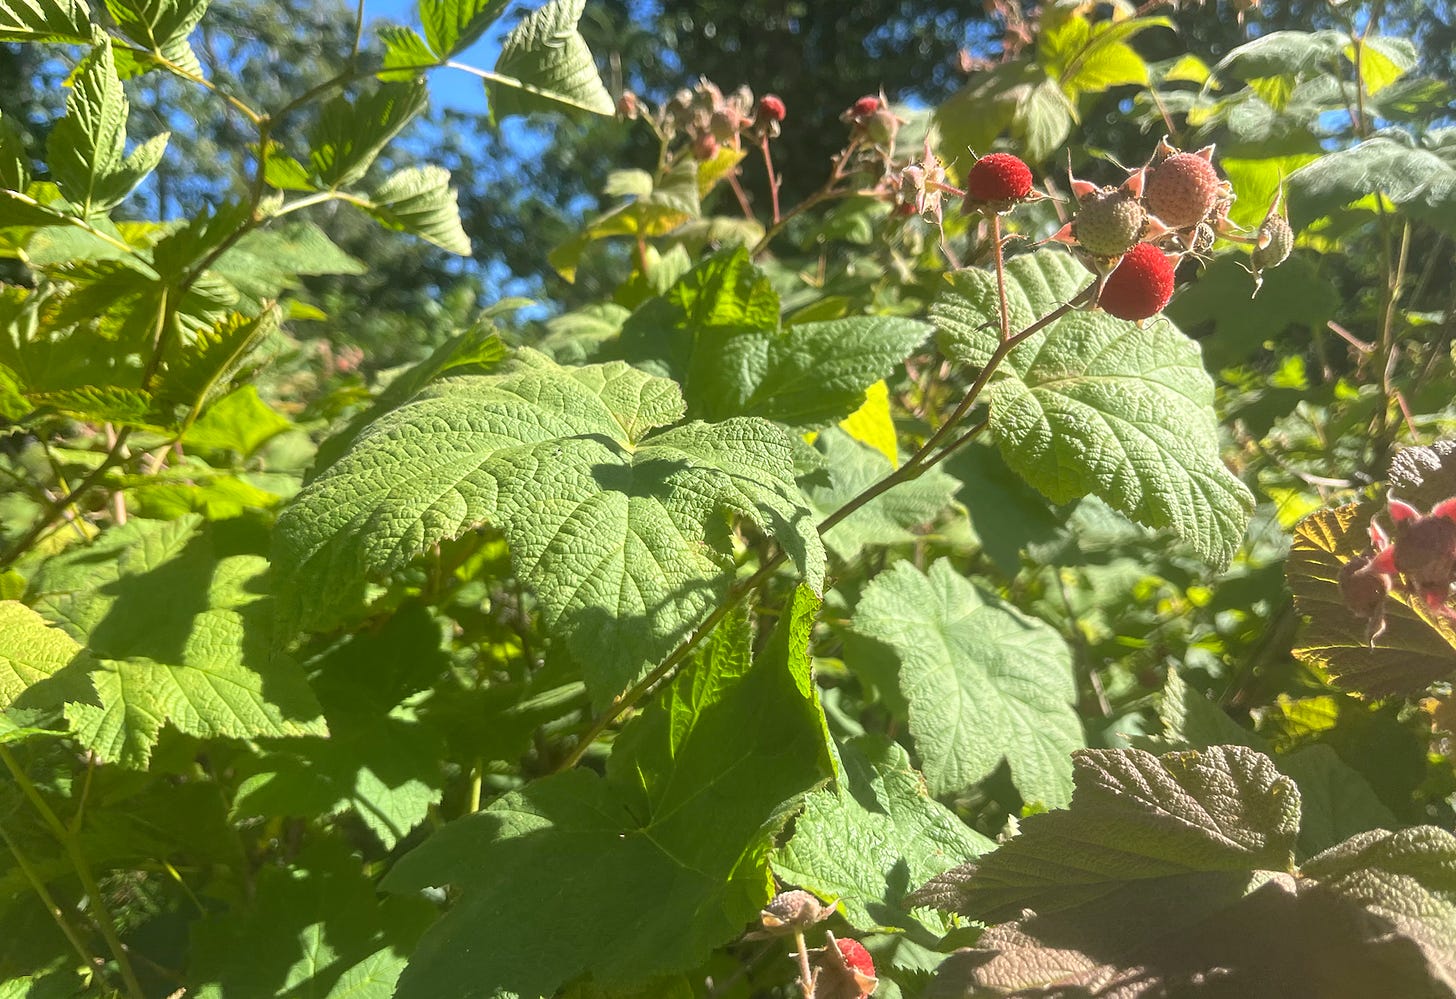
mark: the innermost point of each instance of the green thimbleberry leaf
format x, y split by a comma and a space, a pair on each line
622, 528
1093, 404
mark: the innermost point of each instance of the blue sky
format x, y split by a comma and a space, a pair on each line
448, 88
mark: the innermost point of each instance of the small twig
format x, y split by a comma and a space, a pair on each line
741, 195
38, 885
1350, 338
773, 181
806, 974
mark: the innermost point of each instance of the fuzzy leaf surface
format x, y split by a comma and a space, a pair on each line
717, 332
1092, 404
1373, 915
623, 536
45, 21
1415, 648
695, 790
1137, 821
551, 64
421, 202
983, 682
182, 638
1422, 183
874, 836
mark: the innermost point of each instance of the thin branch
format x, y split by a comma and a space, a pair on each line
82, 867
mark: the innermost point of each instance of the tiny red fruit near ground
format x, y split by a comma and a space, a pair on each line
771, 108
998, 179
1140, 286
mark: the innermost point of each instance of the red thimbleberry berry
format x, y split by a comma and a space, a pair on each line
1182, 189
771, 108
1140, 285
865, 106
856, 957
999, 180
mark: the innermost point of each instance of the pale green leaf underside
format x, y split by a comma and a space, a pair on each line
624, 540
161, 27
44, 21
1095, 405
551, 65
983, 682
420, 201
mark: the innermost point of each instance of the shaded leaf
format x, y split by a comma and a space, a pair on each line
716, 331
1418, 181
695, 790
1136, 821
890, 517
1414, 649
622, 535
312, 928
185, 638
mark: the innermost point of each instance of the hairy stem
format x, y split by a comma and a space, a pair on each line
806, 974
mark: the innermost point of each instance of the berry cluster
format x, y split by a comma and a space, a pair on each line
1419, 560
709, 120
1133, 235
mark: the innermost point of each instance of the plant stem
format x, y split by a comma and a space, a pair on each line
58, 506
998, 253
925, 458
57, 913
806, 974
773, 181
71, 844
